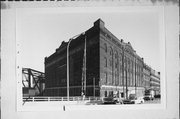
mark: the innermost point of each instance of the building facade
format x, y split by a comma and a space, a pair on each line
112, 66
147, 76
56, 66
121, 69
155, 82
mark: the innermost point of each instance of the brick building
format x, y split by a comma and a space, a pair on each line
112, 66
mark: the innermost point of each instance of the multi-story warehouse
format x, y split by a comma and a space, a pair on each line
111, 66
155, 82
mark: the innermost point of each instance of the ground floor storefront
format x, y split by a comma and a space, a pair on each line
120, 91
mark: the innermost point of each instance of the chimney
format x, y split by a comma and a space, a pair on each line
99, 23
121, 40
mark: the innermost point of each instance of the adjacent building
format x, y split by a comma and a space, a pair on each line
155, 82
100, 64
147, 77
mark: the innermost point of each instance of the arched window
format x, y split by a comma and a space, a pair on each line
110, 51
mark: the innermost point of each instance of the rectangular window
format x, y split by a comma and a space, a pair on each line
120, 76
117, 79
116, 65
110, 62
110, 79
130, 79
105, 78
138, 80
105, 62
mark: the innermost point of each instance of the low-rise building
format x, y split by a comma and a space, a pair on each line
147, 76
155, 82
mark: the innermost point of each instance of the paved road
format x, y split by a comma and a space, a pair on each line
155, 101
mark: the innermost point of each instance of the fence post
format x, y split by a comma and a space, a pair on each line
33, 99
48, 98
62, 99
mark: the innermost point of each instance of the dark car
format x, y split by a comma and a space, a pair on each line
148, 97
110, 100
128, 101
157, 96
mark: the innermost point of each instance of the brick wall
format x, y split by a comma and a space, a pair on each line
55, 66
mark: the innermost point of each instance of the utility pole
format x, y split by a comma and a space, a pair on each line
94, 91
85, 66
135, 77
84, 71
123, 70
68, 69
68, 64
126, 82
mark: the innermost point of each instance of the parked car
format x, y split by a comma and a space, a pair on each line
138, 100
132, 96
148, 97
109, 100
128, 101
157, 96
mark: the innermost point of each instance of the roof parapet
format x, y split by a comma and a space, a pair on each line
99, 23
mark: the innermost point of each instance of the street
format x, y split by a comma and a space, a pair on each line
153, 101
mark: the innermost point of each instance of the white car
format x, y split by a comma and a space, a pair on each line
138, 100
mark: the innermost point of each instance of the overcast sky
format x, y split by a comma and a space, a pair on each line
41, 32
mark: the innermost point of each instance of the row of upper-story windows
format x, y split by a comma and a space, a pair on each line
131, 66
118, 80
129, 61
110, 63
131, 76
110, 50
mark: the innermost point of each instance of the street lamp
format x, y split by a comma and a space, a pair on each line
68, 63
135, 79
